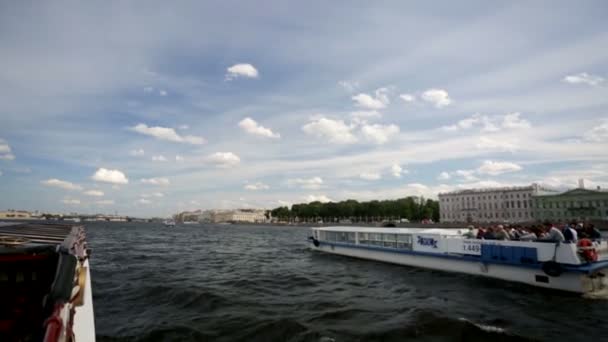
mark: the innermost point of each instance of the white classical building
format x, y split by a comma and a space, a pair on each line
509, 204
236, 215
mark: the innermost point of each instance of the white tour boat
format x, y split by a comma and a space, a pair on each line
581, 268
45, 283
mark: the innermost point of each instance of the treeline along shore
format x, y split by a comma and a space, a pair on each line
409, 208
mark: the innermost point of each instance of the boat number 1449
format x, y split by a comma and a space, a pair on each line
471, 248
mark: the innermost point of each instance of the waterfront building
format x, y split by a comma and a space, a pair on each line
15, 215
506, 204
188, 216
574, 205
236, 215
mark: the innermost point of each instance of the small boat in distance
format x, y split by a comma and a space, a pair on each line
45, 283
169, 223
580, 268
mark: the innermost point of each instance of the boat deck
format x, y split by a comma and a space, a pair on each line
37, 233
23, 237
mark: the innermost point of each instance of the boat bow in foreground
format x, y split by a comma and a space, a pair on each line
45, 283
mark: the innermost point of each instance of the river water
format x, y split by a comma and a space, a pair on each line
262, 283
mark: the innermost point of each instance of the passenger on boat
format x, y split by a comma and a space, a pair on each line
527, 236
570, 234
480, 233
552, 234
515, 232
592, 233
470, 234
489, 234
501, 233
578, 227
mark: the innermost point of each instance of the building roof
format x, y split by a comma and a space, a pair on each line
575, 192
497, 189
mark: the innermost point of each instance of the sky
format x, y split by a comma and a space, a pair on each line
147, 108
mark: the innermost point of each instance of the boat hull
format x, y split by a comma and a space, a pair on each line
84, 320
532, 275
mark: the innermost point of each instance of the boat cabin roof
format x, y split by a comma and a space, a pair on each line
391, 230
15, 237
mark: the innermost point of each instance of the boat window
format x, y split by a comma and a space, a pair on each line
351, 237
332, 236
375, 239
390, 240
404, 241
363, 238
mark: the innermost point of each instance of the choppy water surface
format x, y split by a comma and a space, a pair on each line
261, 283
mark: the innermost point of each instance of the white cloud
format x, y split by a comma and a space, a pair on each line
335, 131
318, 198
489, 126
9, 156
179, 158
514, 121
494, 168
511, 121
61, 184
349, 85
444, 176
137, 153
584, 78
367, 114
168, 134
148, 89
417, 187
110, 176
159, 158
71, 201
366, 101
4, 148
154, 194
468, 175
224, 159
397, 170
5, 151
155, 181
501, 145
143, 201
252, 127
438, 97
182, 127
379, 134
105, 202
488, 167
96, 193
284, 203
465, 123
370, 176
162, 92
408, 97
256, 186
306, 183
598, 133
241, 70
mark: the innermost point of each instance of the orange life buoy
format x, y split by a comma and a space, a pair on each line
586, 249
